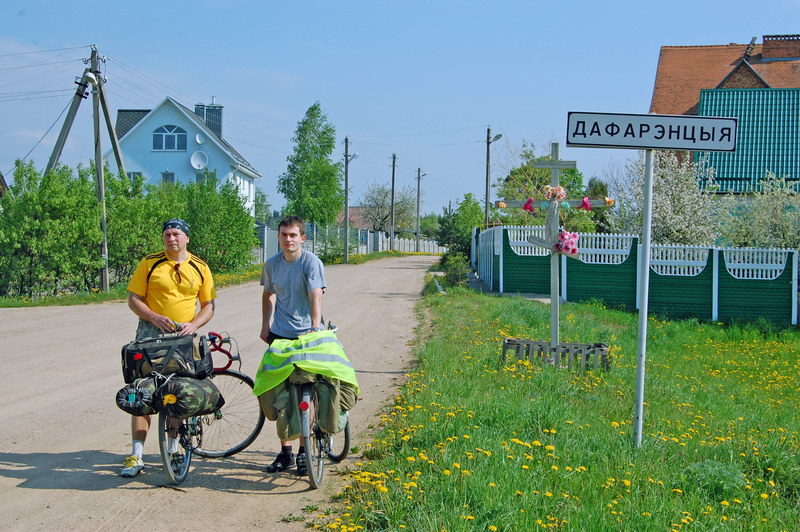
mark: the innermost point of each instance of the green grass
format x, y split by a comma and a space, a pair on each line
471, 443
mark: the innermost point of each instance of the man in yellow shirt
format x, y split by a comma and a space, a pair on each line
164, 292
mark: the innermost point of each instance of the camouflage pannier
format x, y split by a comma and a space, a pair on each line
138, 398
184, 397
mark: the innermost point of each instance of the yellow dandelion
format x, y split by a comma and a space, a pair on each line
676, 490
764, 496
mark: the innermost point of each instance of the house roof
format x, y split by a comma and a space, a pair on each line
684, 70
127, 118
768, 140
3, 185
131, 118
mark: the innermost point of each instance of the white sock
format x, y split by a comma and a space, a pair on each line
172, 445
138, 447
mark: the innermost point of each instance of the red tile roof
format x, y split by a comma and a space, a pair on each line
684, 70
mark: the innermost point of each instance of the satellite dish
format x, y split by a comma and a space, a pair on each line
199, 160
199, 138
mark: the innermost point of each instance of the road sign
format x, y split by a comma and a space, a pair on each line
658, 132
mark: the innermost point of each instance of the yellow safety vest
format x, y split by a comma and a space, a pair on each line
316, 352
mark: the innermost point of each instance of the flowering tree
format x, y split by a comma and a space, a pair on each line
682, 212
376, 204
768, 218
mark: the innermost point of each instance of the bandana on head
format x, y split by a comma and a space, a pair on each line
176, 223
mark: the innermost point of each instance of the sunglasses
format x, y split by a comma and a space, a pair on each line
177, 269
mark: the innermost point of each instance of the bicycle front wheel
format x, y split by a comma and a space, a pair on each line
339, 444
237, 424
316, 441
176, 465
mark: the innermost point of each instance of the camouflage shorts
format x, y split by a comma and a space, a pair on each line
147, 330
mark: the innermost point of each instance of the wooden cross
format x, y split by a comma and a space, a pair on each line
552, 227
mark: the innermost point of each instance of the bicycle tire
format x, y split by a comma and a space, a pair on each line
314, 439
238, 423
344, 437
176, 465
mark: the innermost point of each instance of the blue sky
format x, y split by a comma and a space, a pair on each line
419, 79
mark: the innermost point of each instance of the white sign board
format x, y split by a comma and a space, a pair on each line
658, 132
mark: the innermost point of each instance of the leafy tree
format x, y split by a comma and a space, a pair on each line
524, 181
49, 232
312, 183
376, 204
456, 225
221, 227
261, 207
429, 224
50, 228
682, 212
768, 218
597, 189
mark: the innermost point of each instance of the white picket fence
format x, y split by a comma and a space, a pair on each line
754, 263
362, 240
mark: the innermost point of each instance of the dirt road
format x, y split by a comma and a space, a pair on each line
62, 438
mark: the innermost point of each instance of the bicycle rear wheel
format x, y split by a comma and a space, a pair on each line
316, 441
176, 465
339, 444
237, 424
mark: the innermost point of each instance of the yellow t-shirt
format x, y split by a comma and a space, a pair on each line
171, 289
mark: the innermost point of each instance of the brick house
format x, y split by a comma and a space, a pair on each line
756, 83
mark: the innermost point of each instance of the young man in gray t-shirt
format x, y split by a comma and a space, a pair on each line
296, 278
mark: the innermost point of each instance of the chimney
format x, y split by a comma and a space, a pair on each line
781, 47
211, 114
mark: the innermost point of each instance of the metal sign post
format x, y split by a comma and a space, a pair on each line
648, 132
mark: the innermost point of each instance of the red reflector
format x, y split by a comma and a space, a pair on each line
303, 405
137, 356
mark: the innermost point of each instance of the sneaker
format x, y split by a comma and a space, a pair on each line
132, 467
282, 462
176, 461
302, 470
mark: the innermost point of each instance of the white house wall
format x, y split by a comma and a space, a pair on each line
139, 155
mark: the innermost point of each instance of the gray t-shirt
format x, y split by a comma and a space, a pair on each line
291, 282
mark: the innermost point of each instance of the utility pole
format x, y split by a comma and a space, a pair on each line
92, 76
419, 178
391, 221
98, 164
489, 141
347, 159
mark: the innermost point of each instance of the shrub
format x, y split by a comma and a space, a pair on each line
456, 268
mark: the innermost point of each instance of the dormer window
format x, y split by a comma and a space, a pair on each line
169, 138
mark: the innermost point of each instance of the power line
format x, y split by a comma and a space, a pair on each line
39, 64
422, 145
420, 134
45, 133
32, 97
44, 51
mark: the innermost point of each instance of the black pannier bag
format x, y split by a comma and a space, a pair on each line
185, 356
138, 398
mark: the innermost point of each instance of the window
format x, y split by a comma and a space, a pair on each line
167, 178
133, 176
169, 138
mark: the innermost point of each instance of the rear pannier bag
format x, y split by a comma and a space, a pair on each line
137, 398
184, 356
184, 397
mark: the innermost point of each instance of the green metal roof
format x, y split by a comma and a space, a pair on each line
768, 135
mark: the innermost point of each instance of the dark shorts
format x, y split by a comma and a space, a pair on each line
272, 336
